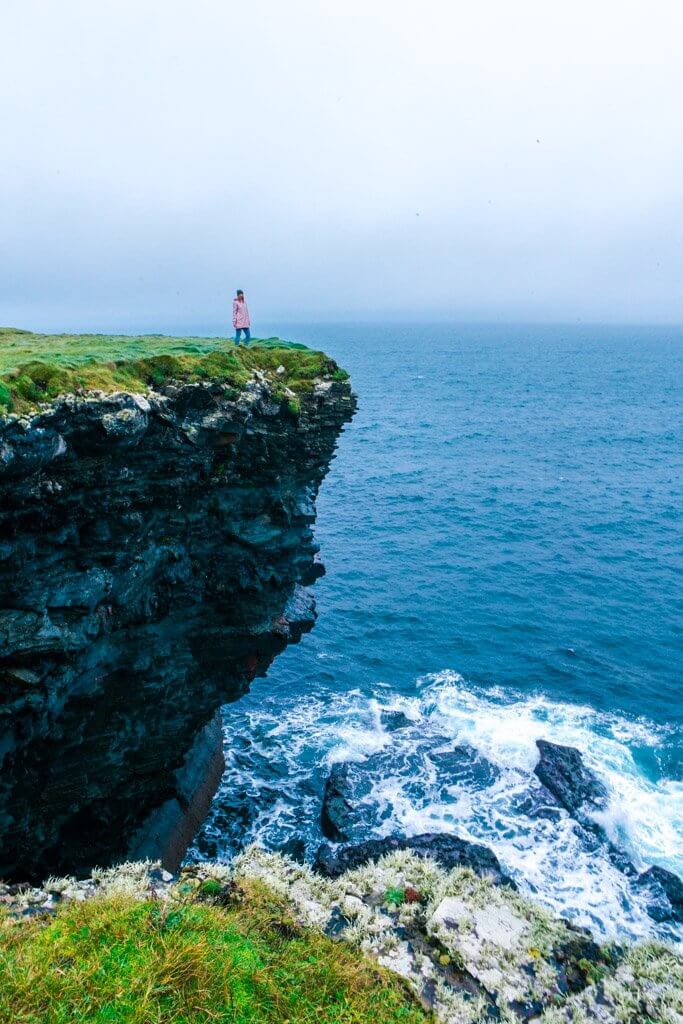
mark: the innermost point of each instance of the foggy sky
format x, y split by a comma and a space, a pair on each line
481, 160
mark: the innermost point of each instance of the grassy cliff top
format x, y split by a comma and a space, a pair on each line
37, 368
119, 960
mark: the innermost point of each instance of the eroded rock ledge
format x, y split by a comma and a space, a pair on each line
153, 555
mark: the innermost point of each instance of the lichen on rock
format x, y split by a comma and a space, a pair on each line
472, 951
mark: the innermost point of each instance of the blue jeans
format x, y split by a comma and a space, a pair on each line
247, 335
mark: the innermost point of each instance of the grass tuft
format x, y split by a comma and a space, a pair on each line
118, 959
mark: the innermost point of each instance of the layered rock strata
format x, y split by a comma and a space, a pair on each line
154, 552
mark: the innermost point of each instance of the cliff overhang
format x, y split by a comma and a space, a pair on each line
155, 548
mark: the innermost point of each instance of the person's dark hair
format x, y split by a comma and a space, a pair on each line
239, 292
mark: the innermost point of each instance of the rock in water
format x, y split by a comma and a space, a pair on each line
335, 816
393, 720
465, 765
563, 773
449, 851
294, 848
667, 894
565, 777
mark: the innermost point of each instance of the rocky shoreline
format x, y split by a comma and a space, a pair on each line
566, 785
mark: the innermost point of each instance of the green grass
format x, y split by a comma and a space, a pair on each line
37, 368
116, 960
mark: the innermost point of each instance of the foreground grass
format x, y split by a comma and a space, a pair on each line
37, 368
116, 960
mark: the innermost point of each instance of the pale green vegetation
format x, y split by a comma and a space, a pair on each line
240, 958
645, 986
36, 368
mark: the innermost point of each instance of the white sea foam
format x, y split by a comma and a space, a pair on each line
403, 785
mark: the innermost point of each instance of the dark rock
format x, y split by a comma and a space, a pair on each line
336, 923
25, 450
666, 890
564, 777
153, 554
38, 911
449, 851
393, 720
294, 848
621, 861
539, 802
160, 876
579, 960
336, 812
167, 832
563, 773
465, 765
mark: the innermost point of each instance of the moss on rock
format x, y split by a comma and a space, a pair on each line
37, 368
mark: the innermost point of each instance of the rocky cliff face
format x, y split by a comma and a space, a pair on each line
153, 557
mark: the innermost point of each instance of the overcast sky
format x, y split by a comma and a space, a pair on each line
483, 160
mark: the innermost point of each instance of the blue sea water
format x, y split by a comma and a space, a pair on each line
502, 533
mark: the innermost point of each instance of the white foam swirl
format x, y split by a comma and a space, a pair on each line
408, 788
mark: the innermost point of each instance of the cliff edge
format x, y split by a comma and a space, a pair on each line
155, 546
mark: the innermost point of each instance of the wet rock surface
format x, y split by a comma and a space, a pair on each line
666, 890
393, 720
336, 815
154, 555
448, 851
563, 773
464, 764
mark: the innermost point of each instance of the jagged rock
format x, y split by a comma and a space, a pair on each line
23, 450
496, 942
336, 812
565, 778
393, 720
153, 555
666, 890
449, 851
563, 773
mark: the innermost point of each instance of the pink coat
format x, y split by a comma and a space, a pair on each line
240, 314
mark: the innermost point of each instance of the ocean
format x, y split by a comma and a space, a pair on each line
502, 534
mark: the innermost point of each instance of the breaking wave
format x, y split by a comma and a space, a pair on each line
462, 761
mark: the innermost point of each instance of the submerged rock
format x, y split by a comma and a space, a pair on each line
393, 720
447, 850
465, 765
294, 848
539, 802
336, 812
563, 773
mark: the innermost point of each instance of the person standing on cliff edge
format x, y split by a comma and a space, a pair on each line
240, 318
